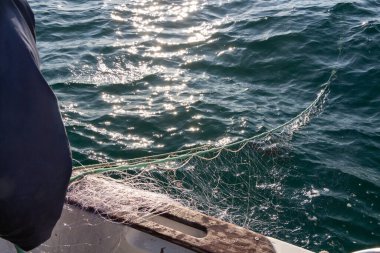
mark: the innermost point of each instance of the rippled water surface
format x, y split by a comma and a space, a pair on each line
144, 77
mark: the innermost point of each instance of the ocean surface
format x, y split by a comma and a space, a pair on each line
136, 78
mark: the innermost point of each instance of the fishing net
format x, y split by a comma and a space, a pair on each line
235, 181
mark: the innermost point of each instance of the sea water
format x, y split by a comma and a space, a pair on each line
144, 77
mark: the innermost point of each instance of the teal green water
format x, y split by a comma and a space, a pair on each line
136, 78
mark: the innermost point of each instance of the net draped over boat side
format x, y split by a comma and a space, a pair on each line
209, 178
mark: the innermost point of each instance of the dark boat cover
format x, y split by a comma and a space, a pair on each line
35, 159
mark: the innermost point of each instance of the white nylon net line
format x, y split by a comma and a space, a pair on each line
233, 182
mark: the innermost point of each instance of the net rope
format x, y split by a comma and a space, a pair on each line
203, 152
239, 181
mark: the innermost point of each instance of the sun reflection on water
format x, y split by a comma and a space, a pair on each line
150, 43
148, 31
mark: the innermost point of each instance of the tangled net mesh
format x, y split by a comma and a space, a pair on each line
233, 181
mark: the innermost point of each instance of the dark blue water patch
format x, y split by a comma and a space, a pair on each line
337, 203
371, 28
344, 213
352, 9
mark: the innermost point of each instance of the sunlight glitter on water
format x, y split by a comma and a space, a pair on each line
146, 77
